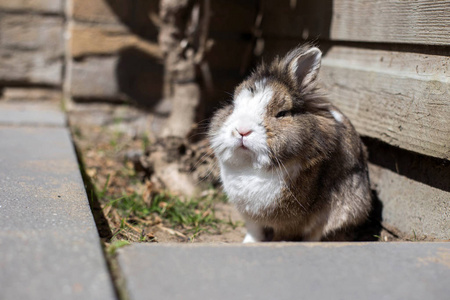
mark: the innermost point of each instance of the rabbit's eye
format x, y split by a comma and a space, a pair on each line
252, 90
282, 114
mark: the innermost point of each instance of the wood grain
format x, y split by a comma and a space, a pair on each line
31, 48
414, 208
47, 6
385, 21
415, 22
400, 98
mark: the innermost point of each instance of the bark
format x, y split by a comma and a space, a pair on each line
179, 40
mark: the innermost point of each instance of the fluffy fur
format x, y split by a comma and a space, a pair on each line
290, 161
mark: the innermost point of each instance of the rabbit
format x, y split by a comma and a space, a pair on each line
291, 162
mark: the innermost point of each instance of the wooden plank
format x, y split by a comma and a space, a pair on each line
307, 19
415, 22
229, 54
47, 6
107, 11
391, 21
30, 32
399, 98
19, 94
279, 47
135, 15
30, 67
98, 11
31, 48
95, 78
233, 16
412, 207
226, 16
131, 75
108, 40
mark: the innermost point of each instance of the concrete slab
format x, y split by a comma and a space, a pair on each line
287, 271
49, 246
32, 114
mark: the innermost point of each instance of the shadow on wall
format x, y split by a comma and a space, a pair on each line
285, 24
135, 14
140, 77
139, 74
428, 170
288, 23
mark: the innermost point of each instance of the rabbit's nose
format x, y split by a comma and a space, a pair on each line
244, 131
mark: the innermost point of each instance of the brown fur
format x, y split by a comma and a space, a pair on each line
333, 181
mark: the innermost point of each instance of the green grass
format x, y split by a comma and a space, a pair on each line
76, 131
127, 212
193, 215
115, 140
102, 193
145, 142
112, 248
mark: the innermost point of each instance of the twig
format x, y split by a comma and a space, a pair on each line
171, 231
132, 227
106, 210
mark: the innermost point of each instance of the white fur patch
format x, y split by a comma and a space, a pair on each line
255, 232
249, 239
244, 173
337, 116
252, 106
248, 115
253, 191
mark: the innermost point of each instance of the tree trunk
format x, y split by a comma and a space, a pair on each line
179, 25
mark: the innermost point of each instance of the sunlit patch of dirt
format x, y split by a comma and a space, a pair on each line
137, 202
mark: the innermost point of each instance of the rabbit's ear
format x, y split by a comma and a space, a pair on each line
304, 66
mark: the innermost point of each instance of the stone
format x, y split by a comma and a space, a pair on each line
31, 114
49, 242
287, 271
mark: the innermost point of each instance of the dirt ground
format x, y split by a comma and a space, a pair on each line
113, 143
120, 158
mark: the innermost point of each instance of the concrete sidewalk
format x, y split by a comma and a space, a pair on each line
49, 246
288, 271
